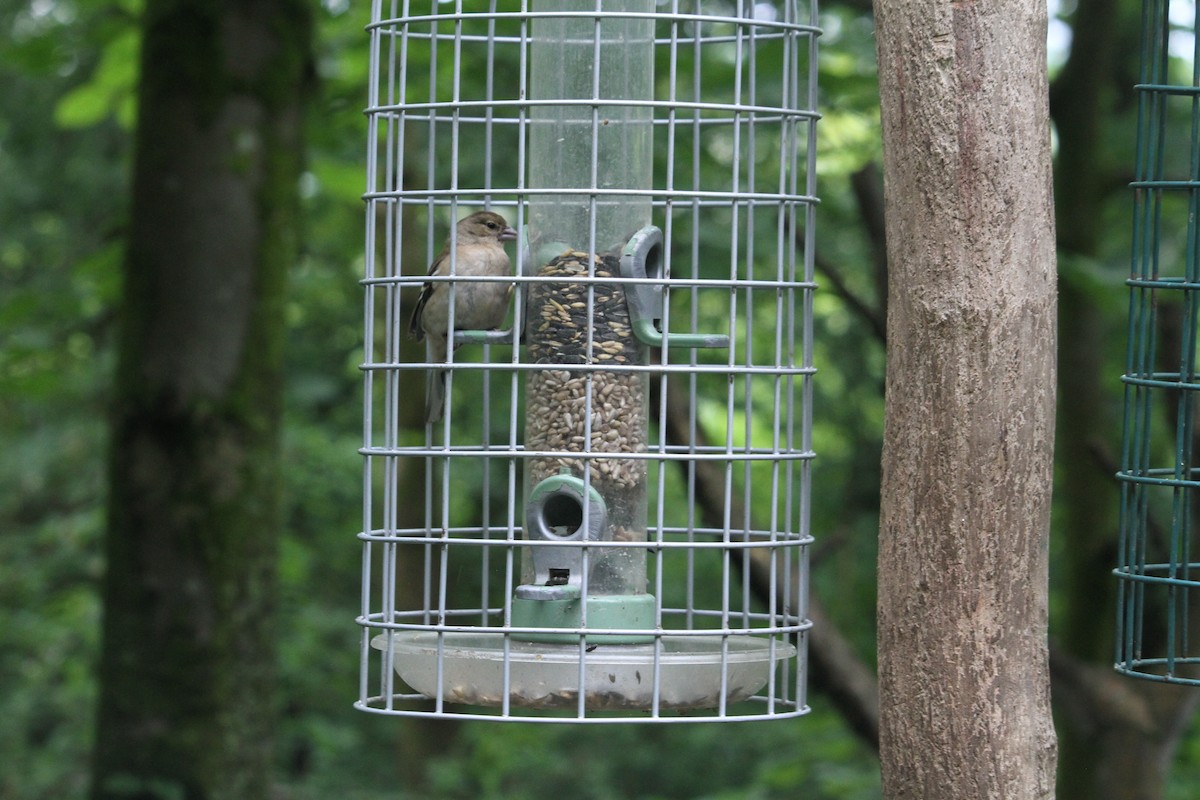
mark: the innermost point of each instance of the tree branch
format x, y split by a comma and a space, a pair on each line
835, 668
867, 185
876, 322
1092, 696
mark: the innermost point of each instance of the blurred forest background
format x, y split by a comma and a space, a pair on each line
68, 81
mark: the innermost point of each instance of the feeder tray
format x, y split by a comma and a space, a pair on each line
695, 671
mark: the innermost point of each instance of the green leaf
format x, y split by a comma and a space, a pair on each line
110, 93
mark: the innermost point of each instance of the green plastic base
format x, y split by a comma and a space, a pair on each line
622, 611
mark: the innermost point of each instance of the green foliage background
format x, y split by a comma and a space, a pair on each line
67, 79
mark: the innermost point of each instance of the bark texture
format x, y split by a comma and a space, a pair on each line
187, 666
968, 444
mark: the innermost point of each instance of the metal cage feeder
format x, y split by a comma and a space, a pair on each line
1159, 569
607, 518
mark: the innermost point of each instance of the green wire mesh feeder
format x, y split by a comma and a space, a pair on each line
1158, 610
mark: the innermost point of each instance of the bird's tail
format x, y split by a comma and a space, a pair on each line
435, 381
435, 395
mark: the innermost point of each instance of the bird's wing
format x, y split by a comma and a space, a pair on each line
414, 324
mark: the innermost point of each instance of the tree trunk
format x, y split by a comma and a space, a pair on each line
968, 444
1081, 99
187, 667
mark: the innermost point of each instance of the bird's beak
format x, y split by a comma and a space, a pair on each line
508, 234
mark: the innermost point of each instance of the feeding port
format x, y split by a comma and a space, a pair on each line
610, 520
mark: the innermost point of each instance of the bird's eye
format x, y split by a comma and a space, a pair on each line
492, 225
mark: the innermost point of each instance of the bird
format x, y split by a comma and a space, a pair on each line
478, 305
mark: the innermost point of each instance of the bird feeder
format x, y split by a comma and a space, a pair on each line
611, 519
1159, 568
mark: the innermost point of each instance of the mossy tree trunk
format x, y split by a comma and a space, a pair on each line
969, 425
187, 666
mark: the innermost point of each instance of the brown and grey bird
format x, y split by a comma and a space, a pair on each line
478, 305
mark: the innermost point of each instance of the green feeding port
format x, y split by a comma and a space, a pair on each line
1158, 609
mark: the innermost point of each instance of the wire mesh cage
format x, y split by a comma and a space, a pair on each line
1159, 569
586, 489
